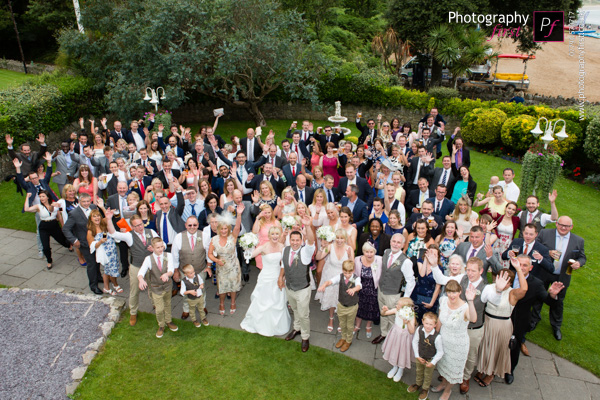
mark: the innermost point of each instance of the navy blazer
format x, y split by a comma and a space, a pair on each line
147, 181
360, 214
335, 139
30, 187
251, 167
416, 216
254, 184
446, 208
287, 172
546, 264
258, 150
364, 133
412, 199
575, 250
365, 192
309, 192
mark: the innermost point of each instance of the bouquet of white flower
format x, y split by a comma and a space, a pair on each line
406, 314
288, 222
326, 233
248, 242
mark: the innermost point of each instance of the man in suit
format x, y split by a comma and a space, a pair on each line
168, 218
416, 197
148, 163
254, 181
435, 221
532, 215
540, 257
275, 160
108, 183
167, 174
396, 268
137, 135
444, 175
251, 146
118, 133
430, 143
441, 205
302, 192
210, 136
328, 137
568, 253
360, 213
292, 170
75, 230
173, 145
521, 315
392, 203
29, 159
118, 202
365, 191
299, 147
420, 166
461, 154
201, 156
437, 120
332, 194
367, 133
476, 247
362, 168
140, 182
246, 227
305, 134
87, 158
65, 165
402, 144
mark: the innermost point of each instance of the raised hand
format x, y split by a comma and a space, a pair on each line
552, 196
501, 281
17, 163
103, 122
453, 149
470, 293
250, 176
556, 288
9, 140
240, 209
41, 138
379, 117
109, 213
488, 250
255, 196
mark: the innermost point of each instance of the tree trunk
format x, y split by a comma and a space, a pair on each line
436, 73
12, 15
256, 114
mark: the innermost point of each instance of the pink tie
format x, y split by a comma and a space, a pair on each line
292, 257
390, 261
346, 281
530, 218
273, 161
143, 239
159, 263
192, 242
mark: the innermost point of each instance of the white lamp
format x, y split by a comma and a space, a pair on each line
562, 135
537, 131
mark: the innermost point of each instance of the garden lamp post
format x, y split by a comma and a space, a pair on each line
154, 99
549, 133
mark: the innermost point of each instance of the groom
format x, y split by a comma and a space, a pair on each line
295, 277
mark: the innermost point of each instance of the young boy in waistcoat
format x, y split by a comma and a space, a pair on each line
159, 268
347, 306
192, 286
428, 349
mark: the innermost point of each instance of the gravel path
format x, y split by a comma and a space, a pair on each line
42, 338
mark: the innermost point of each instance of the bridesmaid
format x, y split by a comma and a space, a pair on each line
329, 163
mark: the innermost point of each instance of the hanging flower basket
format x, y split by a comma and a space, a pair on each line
541, 168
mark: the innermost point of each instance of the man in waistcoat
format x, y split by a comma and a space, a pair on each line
294, 275
532, 215
138, 241
188, 249
396, 268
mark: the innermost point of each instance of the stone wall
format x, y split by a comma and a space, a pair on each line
17, 66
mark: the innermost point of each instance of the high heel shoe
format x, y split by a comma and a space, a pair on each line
232, 310
356, 330
222, 310
369, 332
330, 326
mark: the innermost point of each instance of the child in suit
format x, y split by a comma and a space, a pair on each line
427, 346
192, 286
347, 306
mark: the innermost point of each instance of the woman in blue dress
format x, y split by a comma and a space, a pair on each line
419, 240
426, 292
448, 240
103, 244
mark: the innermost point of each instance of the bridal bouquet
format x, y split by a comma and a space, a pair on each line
288, 222
406, 314
248, 241
326, 233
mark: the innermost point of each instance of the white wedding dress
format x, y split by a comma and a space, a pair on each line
268, 313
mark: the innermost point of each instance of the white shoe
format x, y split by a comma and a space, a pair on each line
398, 375
392, 372
40, 254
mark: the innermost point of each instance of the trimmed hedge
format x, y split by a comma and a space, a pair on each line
46, 103
482, 126
516, 132
592, 139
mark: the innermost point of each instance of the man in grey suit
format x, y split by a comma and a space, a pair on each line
65, 165
75, 230
476, 247
87, 158
569, 255
246, 227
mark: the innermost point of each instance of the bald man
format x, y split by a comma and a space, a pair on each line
567, 250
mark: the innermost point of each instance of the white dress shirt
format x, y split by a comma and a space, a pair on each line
511, 191
176, 246
147, 265
439, 347
306, 253
407, 271
186, 279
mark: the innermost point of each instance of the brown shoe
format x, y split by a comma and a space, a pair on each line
184, 315
340, 343
413, 388
197, 324
205, 322
345, 346
160, 331
132, 320
292, 335
464, 387
378, 339
305, 345
423, 394
172, 327
524, 350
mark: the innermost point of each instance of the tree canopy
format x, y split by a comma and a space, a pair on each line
237, 51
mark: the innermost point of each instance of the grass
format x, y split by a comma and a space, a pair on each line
11, 78
220, 363
580, 202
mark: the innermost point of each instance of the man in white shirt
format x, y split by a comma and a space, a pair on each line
192, 207
532, 215
286, 149
138, 140
392, 203
511, 190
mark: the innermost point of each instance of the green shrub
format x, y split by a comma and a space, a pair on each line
443, 93
46, 104
567, 148
592, 139
516, 132
482, 126
459, 108
511, 109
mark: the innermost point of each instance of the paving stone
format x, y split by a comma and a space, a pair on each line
478, 392
361, 351
381, 365
546, 367
504, 391
594, 390
8, 280
525, 378
77, 373
76, 279
538, 352
28, 268
23, 235
569, 370
560, 388
44, 280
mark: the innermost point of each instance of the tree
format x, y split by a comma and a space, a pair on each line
387, 45
237, 51
316, 12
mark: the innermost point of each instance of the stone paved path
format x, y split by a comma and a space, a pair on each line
541, 376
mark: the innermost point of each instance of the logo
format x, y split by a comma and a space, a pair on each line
548, 26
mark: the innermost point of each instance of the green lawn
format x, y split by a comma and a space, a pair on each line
220, 363
11, 78
580, 202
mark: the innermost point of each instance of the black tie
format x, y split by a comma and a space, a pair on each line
329, 196
444, 177
437, 209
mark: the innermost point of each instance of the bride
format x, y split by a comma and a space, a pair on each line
268, 314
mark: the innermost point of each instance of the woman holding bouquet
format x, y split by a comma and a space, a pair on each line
264, 221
